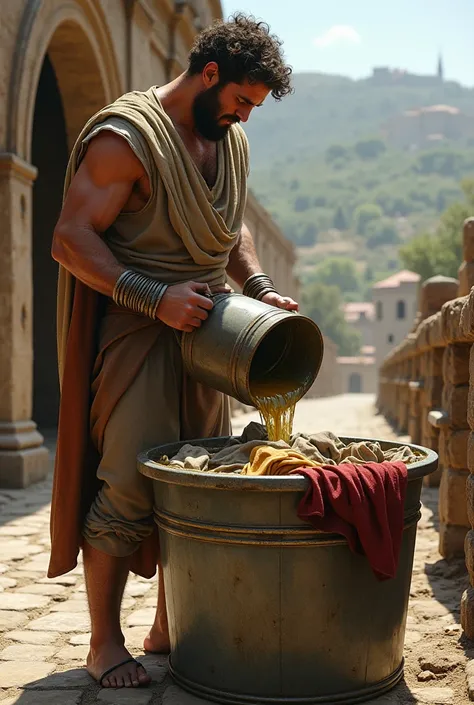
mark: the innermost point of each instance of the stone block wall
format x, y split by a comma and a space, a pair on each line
466, 270
432, 388
436, 363
415, 388
453, 451
467, 604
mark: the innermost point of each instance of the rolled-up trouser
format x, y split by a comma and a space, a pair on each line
160, 406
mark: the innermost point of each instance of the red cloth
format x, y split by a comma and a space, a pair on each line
364, 503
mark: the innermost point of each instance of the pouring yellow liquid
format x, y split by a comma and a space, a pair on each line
276, 401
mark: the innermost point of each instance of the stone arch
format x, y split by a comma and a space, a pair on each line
75, 36
65, 71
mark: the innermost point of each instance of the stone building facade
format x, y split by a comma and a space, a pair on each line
427, 126
327, 383
381, 324
357, 374
60, 61
360, 316
396, 305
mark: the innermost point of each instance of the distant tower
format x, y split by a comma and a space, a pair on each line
440, 69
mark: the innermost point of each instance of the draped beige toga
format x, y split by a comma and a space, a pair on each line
122, 381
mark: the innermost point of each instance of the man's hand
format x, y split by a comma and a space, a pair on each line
185, 306
274, 299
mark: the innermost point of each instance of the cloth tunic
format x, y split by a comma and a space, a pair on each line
185, 232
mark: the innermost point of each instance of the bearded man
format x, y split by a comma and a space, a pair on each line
151, 225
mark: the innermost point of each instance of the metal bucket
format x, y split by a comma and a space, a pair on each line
244, 341
263, 608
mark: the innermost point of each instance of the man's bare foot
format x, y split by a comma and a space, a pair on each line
157, 641
128, 675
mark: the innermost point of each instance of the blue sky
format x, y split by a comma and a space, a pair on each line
349, 37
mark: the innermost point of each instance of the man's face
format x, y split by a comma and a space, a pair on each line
216, 108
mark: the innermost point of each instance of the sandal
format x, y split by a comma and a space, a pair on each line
117, 665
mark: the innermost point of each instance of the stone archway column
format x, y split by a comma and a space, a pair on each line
23, 457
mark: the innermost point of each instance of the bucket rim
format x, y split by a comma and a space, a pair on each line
274, 317
153, 469
283, 320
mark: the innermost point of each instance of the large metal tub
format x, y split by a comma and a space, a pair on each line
264, 609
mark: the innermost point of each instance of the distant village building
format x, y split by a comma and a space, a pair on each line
396, 305
327, 382
343, 375
384, 75
382, 324
360, 315
357, 375
440, 69
425, 126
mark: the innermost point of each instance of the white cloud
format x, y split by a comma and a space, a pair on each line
338, 34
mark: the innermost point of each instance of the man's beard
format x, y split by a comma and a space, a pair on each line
206, 109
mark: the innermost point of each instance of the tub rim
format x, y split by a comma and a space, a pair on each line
151, 468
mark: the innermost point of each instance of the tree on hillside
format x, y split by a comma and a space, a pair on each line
302, 203
309, 235
441, 253
446, 162
382, 232
394, 205
323, 303
338, 271
369, 149
340, 220
441, 201
320, 201
365, 214
336, 152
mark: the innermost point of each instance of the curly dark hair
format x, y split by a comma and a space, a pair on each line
243, 48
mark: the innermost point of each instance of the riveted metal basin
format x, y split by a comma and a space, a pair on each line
263, 608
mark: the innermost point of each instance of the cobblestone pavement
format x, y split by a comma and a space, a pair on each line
44, 623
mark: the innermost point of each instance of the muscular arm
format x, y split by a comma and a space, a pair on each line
98, 192
243, 262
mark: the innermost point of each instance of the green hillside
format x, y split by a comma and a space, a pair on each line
326, 109
323, 166
343, 189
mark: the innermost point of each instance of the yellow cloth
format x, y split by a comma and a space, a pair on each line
265, 460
